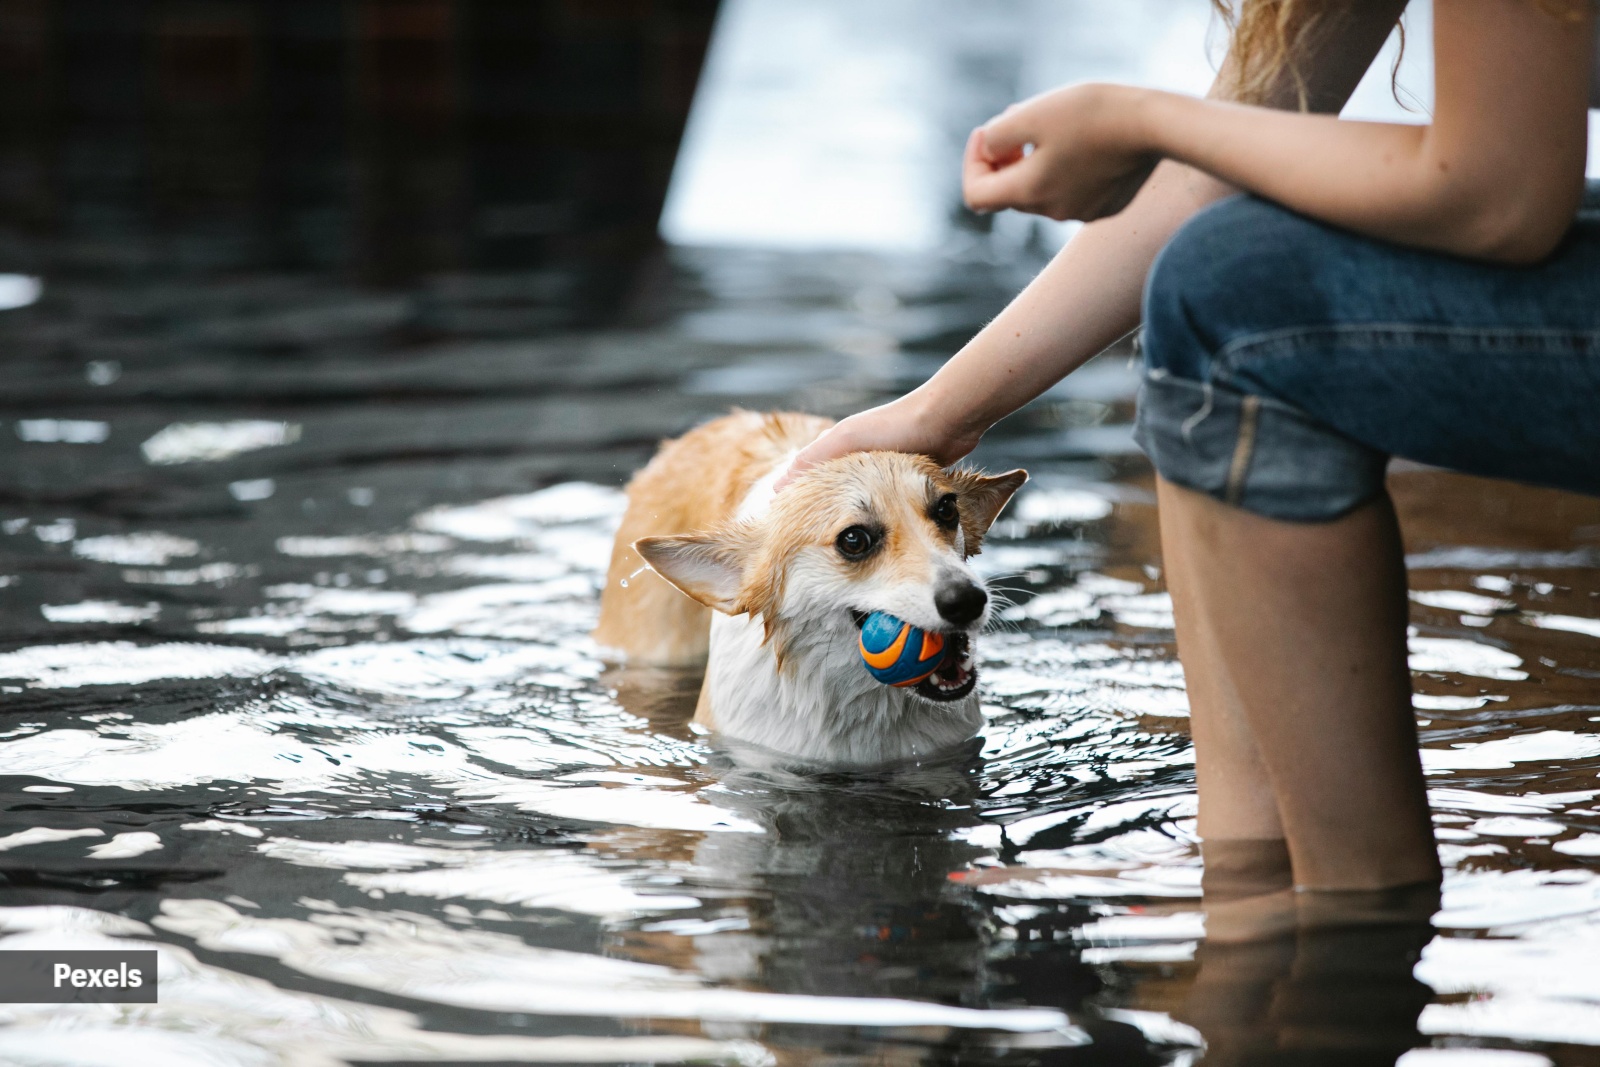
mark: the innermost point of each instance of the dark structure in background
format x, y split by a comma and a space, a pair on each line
382, 140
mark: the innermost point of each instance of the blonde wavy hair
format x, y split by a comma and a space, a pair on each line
1266, 35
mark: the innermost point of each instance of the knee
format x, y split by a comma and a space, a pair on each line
1236, 267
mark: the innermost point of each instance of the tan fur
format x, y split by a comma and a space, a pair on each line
695, 482
683, 548
892, 490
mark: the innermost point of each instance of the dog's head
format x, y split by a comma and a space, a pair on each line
873, 531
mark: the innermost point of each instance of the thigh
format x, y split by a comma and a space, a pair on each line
1487, 369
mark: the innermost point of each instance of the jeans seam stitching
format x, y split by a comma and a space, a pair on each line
1393, 335
1162, 379
1243, 449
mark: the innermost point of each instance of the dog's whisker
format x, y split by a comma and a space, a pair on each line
1009, 588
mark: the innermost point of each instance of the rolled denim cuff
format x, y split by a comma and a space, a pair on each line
1252, 451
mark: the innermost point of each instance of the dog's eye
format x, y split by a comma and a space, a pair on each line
855, 542
945, 512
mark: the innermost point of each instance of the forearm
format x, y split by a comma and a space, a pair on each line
1089, 295
1080, 304
1496, 175
1400, 183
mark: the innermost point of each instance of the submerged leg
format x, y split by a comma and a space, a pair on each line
1293, 644
1242, 837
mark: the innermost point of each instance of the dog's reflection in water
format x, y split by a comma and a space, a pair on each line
664, 697
846, 891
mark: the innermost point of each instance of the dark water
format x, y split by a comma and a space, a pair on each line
300, 544
298, 690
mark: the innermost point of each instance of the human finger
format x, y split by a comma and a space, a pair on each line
1005, 137
988, 189
977, 172
830, 445
974, 165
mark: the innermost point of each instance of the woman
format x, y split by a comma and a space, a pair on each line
1419, 291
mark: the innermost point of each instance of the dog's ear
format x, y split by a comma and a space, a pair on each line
982, 497
706, 566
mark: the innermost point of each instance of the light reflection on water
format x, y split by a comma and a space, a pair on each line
295, 582
346, 756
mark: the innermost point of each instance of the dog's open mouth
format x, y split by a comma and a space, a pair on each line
957, 674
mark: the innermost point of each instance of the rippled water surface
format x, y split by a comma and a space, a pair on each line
296, 575
298, 691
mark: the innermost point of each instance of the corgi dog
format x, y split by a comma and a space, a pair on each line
769, 590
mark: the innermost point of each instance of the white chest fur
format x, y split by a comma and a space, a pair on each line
822, 705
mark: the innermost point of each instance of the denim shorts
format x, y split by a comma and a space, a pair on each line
1287, 360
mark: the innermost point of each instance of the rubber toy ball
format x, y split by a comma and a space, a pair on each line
897, 653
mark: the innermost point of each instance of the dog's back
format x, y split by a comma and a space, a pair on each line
694, 482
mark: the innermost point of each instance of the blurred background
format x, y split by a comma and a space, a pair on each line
397, 138
330, 330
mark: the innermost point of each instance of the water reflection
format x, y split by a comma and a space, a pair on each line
296, 573
345, 748
1338, 995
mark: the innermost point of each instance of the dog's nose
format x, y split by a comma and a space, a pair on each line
960, 602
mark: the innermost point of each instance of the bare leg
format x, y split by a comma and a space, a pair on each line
1236, 797
1292, 637
1242, 838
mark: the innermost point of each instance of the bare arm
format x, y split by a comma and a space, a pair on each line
1088, 296
1497, 175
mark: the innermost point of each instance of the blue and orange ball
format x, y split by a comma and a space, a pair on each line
897, 653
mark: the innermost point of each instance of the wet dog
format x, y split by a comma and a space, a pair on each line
769, 590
